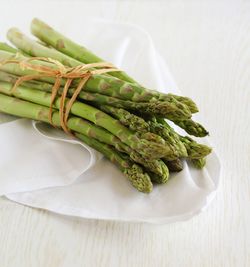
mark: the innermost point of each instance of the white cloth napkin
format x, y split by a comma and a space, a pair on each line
58, 175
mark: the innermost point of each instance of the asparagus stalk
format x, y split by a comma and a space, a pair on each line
126, 118
15, 69
160, 178
140, 180
8, 48
11, 78
96, 84
135, 123
174, 165
187, 101
68, 47
171, 108
63, 44
157, 166
168, 134
154, 166
33, 48
93, 131
191, 127
167, 109
199, 163
147, 148
194, 149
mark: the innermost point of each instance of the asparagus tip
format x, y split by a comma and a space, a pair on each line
140, 180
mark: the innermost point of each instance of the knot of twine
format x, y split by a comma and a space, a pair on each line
59, 72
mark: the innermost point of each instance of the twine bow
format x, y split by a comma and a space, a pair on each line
59, 72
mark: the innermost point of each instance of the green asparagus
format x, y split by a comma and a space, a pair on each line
187, 101
68, 47
170, 136
171, 109
194, 149
8, 48
34, 48
140, 180
135, 123
149, 149
199, 163
174, 165
191, 127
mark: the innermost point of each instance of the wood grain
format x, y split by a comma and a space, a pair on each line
207, 47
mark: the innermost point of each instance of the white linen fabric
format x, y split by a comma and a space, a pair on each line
67, 177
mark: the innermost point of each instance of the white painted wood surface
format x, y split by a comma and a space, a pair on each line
207, 47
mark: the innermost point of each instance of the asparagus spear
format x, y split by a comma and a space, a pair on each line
194, 149
15, 106
147, 148
8, 48
167, 109
171, 137
199, 163
154, 166
191, 127
135, 123
171, 108
63, 44
174, 165
139, 179
11, 78
68, 47
93, 131
28, 46
97, 83
138, 123
34, 48
187, 101
160, 178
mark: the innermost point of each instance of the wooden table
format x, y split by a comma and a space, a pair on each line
207, 47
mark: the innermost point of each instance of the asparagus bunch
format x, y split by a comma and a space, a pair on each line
114, 114
136, 175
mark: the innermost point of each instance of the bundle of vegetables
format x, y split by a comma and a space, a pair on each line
108, 110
